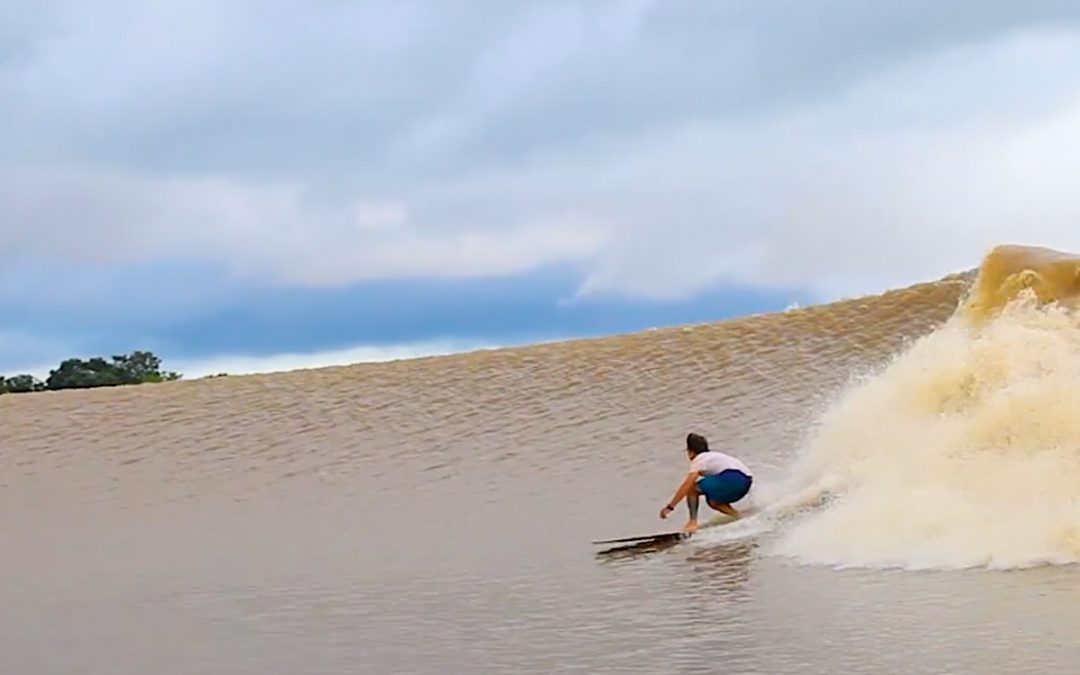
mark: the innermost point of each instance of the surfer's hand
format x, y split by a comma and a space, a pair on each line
664, 512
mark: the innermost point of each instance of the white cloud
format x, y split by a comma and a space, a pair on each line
908, 177
666, 147
380, 216
467, 253
267, 231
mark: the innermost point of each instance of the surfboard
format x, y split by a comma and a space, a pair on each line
666, 536
662, 536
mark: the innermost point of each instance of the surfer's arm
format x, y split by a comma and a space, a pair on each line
684, 489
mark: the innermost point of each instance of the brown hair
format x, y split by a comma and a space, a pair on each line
696, 444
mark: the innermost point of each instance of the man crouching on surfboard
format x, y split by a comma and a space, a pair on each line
721, 478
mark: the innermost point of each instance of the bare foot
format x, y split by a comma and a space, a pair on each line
690, 526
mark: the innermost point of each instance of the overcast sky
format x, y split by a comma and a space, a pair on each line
203, 177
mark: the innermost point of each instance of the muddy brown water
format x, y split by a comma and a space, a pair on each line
435, 516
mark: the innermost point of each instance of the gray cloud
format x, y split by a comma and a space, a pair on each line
672, 144
272, 86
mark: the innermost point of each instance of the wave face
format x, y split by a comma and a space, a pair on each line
956, 444
964, 449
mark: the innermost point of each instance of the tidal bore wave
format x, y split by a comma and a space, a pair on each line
957, 446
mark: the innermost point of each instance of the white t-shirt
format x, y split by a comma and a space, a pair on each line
711, 462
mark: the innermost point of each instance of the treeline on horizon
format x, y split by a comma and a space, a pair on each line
135, 368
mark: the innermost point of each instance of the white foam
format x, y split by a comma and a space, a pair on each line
963, 452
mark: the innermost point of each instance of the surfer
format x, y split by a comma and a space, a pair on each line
721, 478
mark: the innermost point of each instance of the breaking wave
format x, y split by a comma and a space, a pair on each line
964, 449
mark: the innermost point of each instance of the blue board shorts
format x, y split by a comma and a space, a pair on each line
726, 487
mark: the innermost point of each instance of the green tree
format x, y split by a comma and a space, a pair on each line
135, 368
138, 367
80, 374
21, 384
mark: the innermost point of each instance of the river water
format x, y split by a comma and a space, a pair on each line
915, 508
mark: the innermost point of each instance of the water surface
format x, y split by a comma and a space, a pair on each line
434, 516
